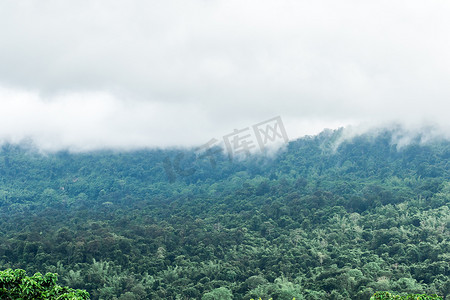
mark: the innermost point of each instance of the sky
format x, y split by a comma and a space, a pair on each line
85, 75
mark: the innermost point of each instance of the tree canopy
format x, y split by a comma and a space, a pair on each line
327, 217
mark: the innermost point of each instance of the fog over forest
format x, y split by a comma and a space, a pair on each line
130, 74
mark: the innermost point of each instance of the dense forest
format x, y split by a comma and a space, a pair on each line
326, 217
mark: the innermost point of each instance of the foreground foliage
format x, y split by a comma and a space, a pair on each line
389, 296
15, 284
325, 218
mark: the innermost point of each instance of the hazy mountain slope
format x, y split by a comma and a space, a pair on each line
325, 218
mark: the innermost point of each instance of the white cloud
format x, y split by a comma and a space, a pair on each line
93, 74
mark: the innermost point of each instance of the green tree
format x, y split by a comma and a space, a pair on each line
15, 284
221, 293
391, 296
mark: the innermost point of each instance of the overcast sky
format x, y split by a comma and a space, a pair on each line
122, 74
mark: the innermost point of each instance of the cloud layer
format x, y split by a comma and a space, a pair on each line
123, 74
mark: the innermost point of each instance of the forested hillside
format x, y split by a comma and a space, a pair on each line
324, 218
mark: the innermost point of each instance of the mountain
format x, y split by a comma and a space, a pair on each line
330, 216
